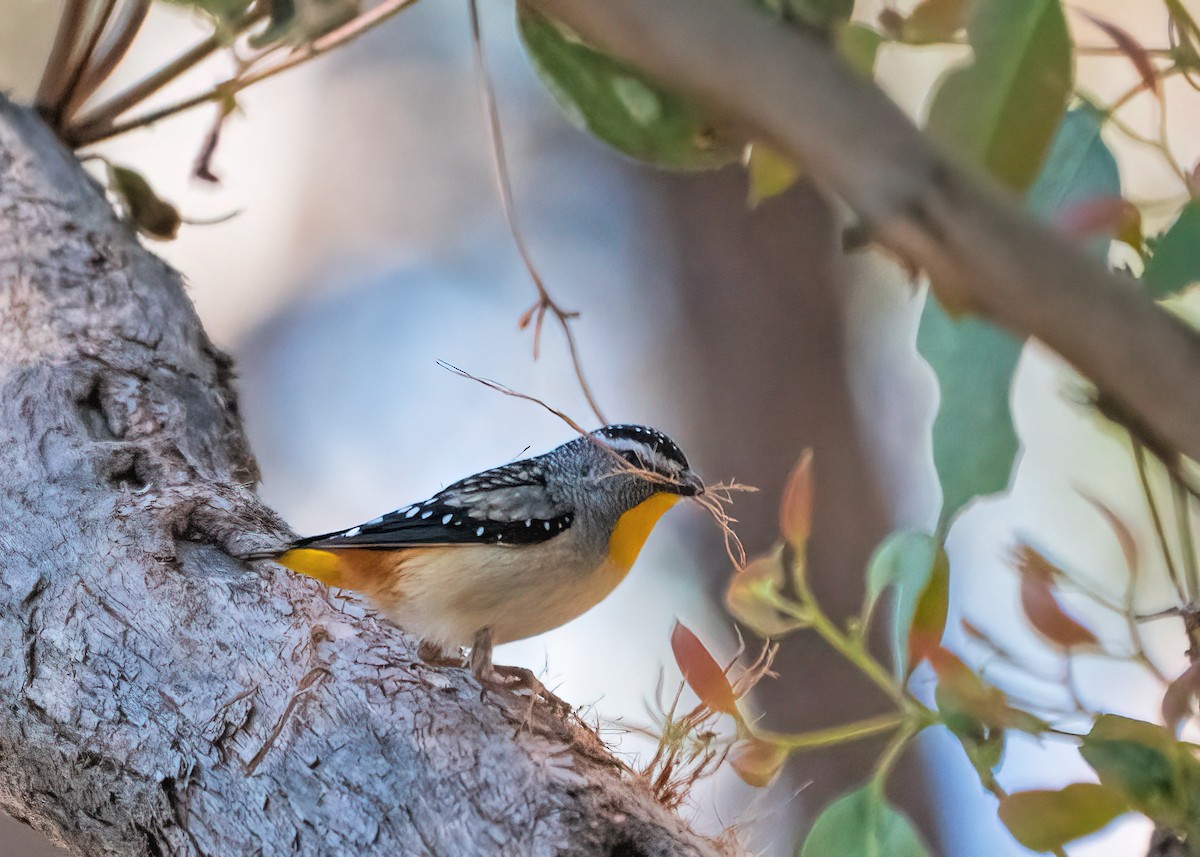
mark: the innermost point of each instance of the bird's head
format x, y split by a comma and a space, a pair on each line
647, 456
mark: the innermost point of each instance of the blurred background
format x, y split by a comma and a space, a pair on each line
369, 244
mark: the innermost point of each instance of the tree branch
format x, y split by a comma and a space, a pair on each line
161, 697
976, 241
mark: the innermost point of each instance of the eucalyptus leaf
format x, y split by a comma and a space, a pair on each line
223, 13
617, 104
1175, 264
863, 824
909, 563
1043, 820
974, 441
1002, 110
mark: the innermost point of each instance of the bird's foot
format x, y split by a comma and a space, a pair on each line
510, 679
434, 655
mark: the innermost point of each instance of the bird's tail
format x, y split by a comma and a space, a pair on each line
254, 556
325, 566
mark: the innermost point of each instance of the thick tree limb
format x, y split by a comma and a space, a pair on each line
790, 89
159, 696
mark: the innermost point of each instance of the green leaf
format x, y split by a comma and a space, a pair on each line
1079, 168
1044, 820
152, 215
617, 104
1001, 111
770, 173
1176, 260
915, 567
974, 441
223, 13
863, 824
1143, 762
823, 15
858, 45
299, 22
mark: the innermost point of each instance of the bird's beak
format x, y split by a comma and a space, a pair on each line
690, 485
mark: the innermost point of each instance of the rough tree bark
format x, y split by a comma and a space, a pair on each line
161, 697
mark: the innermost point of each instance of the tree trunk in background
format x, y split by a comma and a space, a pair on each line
159, 696
761, 290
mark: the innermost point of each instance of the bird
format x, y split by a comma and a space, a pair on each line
510, 552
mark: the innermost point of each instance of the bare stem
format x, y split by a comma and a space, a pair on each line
545, 303
1139, 454
843, 734
895, 749
57, 73
349, 31
1187, 544
110, 53
98, 123
80, 64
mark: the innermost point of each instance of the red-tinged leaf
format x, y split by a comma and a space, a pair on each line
1130, 230
1040, 605
1121, 530
757, 762
1091, 218
753, 593
1132, 49
1045, 820
1193, 180
1179, 702
975, 632
795, 512
891, 22
701, 672
913, 566
935, 21
929, 618
968, 704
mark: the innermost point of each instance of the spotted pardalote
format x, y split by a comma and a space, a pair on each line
513, 551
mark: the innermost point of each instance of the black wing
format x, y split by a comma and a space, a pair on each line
508, 505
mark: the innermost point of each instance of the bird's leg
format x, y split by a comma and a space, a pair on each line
481, 656
507, 678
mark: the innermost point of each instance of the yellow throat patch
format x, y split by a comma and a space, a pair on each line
633, 528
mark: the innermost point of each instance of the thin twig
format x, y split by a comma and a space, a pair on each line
347, 32
110, 53
1187, 544
1139, 454
80, 64
509, 391
98, 123
545, 303
58, 72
